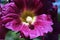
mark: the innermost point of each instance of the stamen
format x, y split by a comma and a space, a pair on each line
29, 19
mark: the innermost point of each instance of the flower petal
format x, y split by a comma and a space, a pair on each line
13, 25
25, 30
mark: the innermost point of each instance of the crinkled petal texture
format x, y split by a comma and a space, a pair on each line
11, 19
41, 26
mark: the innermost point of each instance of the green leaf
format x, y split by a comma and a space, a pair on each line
22, 39
36, 39
39, 38
59, 37
4, 2
13, 36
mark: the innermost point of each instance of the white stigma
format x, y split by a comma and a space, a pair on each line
29, 19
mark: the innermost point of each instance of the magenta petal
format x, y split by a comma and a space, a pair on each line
13, 25
25, 30
43, 25
40, 29
34, 33
9, 17
28, 32
9, 8
44, 18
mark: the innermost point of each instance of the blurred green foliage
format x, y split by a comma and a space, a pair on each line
59, 37
4, 2
38, 38
13, 36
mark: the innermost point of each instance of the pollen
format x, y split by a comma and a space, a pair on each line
29, 19
27, 16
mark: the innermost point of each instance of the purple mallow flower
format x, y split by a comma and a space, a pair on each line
22, 16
